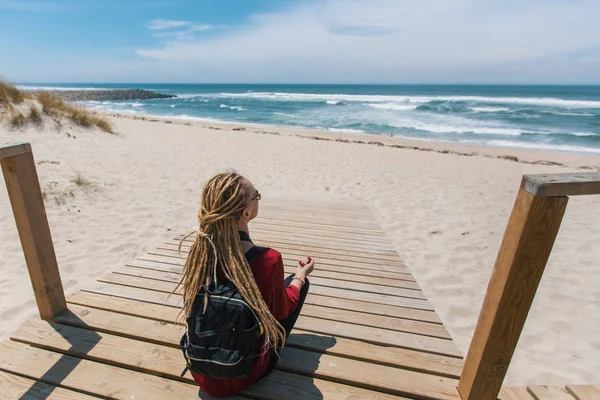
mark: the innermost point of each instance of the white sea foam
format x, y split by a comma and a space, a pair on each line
575, 114
538, 101
190, 95
543, 146
393, 106
584, 133
489, 109
454, 126
237, 108
345, 130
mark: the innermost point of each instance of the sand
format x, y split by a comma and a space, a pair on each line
445, 214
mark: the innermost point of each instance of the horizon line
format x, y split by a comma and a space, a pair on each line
308, 83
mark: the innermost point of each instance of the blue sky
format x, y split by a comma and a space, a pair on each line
359, 41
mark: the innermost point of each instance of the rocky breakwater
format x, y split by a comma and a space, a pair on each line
111, 94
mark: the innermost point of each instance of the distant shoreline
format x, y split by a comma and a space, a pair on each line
584, 162
110, 95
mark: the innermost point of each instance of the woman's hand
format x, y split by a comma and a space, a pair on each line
305, 267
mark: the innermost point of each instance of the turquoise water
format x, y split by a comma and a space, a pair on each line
558, 118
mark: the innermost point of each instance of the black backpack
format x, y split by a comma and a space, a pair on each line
223, 340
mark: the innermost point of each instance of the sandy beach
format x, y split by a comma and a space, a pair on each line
444, 207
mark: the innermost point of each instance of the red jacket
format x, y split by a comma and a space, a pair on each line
267, 269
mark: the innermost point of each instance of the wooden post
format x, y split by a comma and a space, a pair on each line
528, 240
25, 196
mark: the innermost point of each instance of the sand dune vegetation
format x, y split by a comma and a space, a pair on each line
20, 108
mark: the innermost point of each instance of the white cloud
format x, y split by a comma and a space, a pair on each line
160, 24
397, 41
200, 27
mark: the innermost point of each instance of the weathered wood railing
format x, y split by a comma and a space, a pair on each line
27, 203
528, 240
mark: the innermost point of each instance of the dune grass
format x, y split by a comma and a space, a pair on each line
10, 95
81, 181
35, 116
51, 106
17, 120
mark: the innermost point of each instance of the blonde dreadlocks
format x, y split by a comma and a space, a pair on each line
224, 198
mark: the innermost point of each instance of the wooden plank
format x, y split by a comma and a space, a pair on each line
293, 257
153, 311
155, 297
584, 392
142, 356
267, 222
146, 357
17, 387
324, 366
287, 386
569, 184
309, 238
377, 321
514, 393
280, 218
321, 235
316, 280
543, 392
369, 334
371, 376
172, 273
521, 260
397, 357
167, 287
403, 325
379, 336
419, 304
366, 256
169, 335
341, 230
13, 149
90, 377
330, 239
32, 224
178, 263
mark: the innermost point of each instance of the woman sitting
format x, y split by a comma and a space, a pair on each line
221, 252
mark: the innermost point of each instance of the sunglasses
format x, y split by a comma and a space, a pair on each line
258, 196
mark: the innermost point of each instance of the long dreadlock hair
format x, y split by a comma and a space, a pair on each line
218, 244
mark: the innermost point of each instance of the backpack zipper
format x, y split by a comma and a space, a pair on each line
215, 362
244, 304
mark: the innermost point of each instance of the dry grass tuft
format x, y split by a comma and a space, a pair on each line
103, 124
52, 106
35, 116
81, 181
81, 117
9, 94
17, 120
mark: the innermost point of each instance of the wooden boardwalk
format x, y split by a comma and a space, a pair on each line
366, 331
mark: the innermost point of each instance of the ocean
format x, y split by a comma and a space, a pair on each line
556, 118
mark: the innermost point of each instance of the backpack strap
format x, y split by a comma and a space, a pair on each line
254, 252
